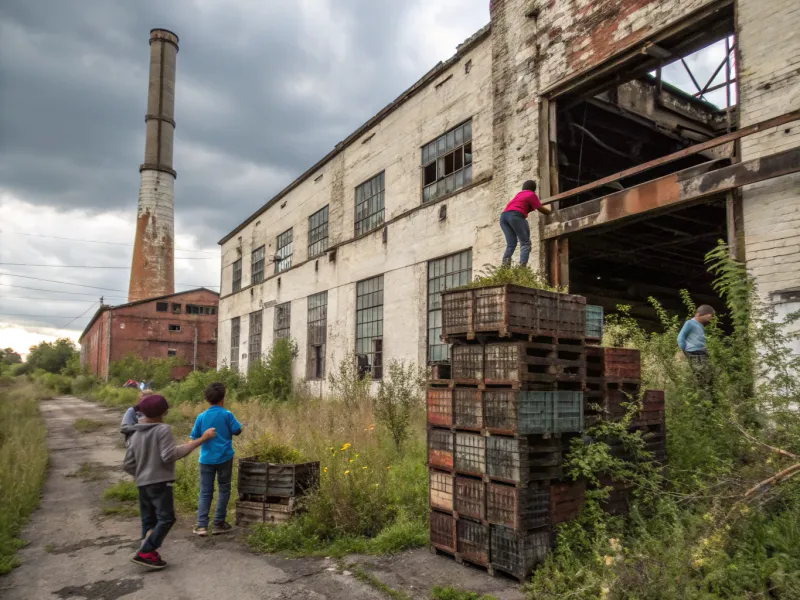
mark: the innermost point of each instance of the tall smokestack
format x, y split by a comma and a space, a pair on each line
152, 268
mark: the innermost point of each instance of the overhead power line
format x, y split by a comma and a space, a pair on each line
94, 287
55, 237
81, 300
23, 287
80, 315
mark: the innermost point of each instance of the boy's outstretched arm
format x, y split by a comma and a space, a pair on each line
170, 452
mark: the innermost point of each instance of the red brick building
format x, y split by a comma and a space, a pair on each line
182, 325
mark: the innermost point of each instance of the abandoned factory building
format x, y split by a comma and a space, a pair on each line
644, 178
182, 325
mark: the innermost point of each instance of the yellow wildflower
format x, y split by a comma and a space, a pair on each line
377, 485
344, 447
608, 560
325, 470
347, 472
363, 468
698, 563
351, 460
614, 544
387, 468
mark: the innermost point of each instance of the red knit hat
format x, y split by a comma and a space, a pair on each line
153, 406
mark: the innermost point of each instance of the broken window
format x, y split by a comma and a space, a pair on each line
235, 324
162, 306
318, 233
197, 309
283, 258
257, 266
172, 352
172, 327
254, 351
369, 204
317, 335
447, 163
444, 274
283, 318
369, 327
237, 276
176, 309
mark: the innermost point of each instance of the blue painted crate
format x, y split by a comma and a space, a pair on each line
594, 321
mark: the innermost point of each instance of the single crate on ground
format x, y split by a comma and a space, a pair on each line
261, 480
443, 531
517, 553
472, 541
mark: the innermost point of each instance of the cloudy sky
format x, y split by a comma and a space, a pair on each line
264, 89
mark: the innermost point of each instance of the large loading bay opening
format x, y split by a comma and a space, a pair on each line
621, 121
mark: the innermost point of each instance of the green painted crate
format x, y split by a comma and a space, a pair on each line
594, 321
530, 412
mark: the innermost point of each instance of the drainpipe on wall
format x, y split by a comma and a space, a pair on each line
108, 343
194, 355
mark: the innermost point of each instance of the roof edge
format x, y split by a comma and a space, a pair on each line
461, 50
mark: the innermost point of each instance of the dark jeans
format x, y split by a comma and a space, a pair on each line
158, 513
515, 227
223, 473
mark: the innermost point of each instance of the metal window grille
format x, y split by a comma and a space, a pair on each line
257, 266
254, 351
369, 204
444, 274
196, 309
235, 324
282, 323
447, 162
317, 335
283, 257
318, 233
237, 276
369, 326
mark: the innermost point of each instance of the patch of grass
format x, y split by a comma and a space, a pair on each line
87, 425
121, 510
23, 464
450, 593
511, 275
122, 491
376, 583
49, 548
90, 471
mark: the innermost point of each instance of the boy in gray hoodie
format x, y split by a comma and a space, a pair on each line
150, 457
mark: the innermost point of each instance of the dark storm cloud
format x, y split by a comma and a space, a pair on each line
264, 87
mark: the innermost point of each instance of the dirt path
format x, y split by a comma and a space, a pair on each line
75, 551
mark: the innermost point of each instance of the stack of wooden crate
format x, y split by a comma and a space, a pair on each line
268, 492
500, 424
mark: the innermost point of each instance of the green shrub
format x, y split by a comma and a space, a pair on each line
400, 392
266, 449
115, 396
510, 275
191, 389
122, 491
270, 378
449, 593
155, 371
348, 384
83, 384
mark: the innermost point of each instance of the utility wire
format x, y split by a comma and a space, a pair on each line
54, 237
7, 264
94, 287
23, 287
79, 316
82, 300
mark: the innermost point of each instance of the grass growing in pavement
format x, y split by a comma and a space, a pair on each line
90, 471
87, 425
449, 593
122, 491
23, 464
121, 510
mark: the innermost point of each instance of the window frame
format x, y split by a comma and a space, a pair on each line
283, 259
434, 154
236, 275
257, 264
171, 352
282, 321
200, 309
236, 330
360, 191
434, 296
372, 291
173, 328
316, 335
254, 333
162, 307
318, 246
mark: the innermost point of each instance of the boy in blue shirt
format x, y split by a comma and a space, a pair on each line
216, 459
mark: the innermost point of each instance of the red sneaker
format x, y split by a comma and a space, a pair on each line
151, 560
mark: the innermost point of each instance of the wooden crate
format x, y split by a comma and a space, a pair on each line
519, 508
517, 553
248, 513
467, 408
613, 363
258, 480
443, 531
467, 364
440, 448
440, 490
440, 406
509, 309
528, 412
470, 498
517, 363
566, 500
653, 400
470, 453
522, 460
472, 541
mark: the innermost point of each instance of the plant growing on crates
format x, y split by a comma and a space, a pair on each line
398, 395
511, 275
266, 449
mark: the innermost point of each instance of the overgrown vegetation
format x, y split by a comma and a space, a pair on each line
511, 275
724, 520
86, 425
122, 491
23, 463
450, 593
399, 396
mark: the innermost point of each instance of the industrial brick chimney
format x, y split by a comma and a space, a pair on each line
153, 265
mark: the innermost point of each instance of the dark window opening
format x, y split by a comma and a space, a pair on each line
172, 352
369, 204
283, 256
257, 266
197, 309
174, 327
235, 324
317, 335
237, 276
176, 309
254, 350
282, 323
369, 327
447, 163
162, 306
318, 233
444, 274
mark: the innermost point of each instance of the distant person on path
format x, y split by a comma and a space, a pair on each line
692, 341
514, 222
132, 416
216, 460
150, 458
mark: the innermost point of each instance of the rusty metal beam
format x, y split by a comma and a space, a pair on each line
677, 188
691, 150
